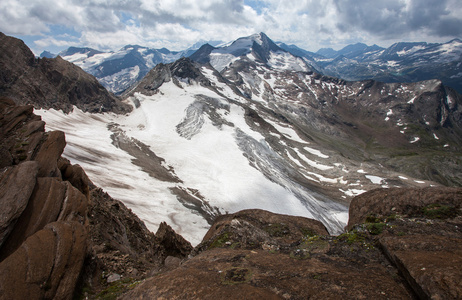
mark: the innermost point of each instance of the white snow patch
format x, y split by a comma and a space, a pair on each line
312, 162
287, 131
375, 179
316, 152
352, 192
415, 139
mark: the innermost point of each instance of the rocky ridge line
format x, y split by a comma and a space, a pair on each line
50, 82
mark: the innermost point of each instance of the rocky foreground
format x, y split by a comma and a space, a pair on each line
62, 238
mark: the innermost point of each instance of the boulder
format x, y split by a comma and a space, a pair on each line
255, 254
419, 232
430, 263
16, 186
402, 201
49, 153
47, 265
255, 228
173, 243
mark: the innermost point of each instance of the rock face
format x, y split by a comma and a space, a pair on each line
43, 237
387, 254
50, 82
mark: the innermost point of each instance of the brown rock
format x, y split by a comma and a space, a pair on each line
16, 186
43, 207
47, 264
75, 175
50, 83
52, 200
403, 201
172, 262
74, 206
255, 228
34, 126
119, 243
173, 243
259, 274
430, 263
49, 153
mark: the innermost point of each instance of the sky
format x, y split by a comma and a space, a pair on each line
55, 25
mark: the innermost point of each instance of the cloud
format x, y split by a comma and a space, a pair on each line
179, 23
399, 18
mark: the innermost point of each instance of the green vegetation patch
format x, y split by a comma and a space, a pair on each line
372, 219
307, 231
277, 229
352, 237
220, 241
115, 289
375, 228
440, 211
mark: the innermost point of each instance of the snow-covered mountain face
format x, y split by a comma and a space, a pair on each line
264, 132
120, 69
401, 62
257, 47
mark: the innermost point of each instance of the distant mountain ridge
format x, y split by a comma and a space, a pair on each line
401, 62
118, 70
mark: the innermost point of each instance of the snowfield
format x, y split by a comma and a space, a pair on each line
192, 151
211, 162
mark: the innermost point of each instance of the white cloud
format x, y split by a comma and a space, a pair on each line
179, 23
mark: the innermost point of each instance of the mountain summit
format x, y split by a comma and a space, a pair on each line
257, 47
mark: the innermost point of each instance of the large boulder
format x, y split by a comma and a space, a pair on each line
47, 265
419, 232
403, 201
404, 245
13, 200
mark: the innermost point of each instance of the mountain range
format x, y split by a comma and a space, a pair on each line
401, 62
219, 145
205, 127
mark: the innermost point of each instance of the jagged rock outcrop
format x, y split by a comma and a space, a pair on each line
386, 255
50, 82
43, 238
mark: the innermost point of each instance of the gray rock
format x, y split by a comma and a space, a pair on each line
113, 277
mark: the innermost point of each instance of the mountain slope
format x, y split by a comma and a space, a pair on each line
120, 69
401, 62
263, 133
50, 83
257, 47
